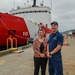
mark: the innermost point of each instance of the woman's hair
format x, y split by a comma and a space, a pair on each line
41, 30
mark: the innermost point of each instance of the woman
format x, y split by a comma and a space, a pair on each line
40, 50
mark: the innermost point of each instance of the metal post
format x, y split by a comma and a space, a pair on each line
11, 40
8, 42
15, 41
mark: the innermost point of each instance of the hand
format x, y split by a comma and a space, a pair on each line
42, 55
48, 55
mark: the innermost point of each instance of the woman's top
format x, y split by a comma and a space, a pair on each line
40, 47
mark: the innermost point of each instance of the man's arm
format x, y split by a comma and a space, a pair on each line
56, 49
59, 44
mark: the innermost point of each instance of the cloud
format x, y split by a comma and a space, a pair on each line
7, 5
63, 11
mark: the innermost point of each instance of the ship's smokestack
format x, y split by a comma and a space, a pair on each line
34, 3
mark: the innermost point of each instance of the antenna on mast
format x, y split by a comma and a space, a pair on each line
14, 4
51, 5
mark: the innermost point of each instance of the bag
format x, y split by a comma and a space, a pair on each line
41, 47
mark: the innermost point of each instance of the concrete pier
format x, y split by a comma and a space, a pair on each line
23, 64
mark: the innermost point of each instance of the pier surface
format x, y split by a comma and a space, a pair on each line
22, 63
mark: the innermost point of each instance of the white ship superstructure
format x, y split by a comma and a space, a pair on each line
34, 15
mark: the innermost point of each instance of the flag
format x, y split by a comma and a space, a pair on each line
47, 30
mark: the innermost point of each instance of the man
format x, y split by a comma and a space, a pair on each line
55, 43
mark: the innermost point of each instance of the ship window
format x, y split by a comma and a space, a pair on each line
49, 12
19, 12
34, 11
30, 12
22, 12
16, 13
13, 13
45, 11
26, 12
40, 11
37, 11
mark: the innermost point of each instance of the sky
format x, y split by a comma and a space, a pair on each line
63, 11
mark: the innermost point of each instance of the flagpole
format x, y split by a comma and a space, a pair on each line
51, 5
51, 10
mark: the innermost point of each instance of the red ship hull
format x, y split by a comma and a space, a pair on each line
15, 24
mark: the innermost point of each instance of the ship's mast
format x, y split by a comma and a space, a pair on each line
34, 3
